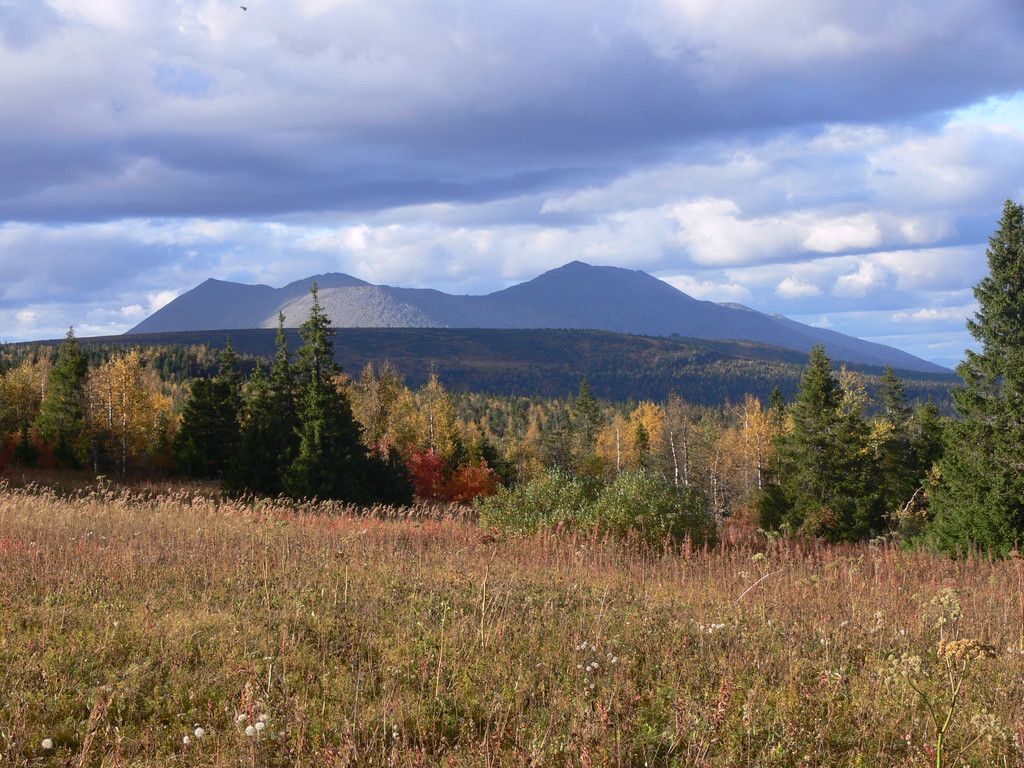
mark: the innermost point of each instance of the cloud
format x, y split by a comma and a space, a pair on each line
867, 277
792, 288
708, 290
196, 108
936, 314
748, 156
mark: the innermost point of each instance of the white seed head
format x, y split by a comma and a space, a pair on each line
47, 744
241, 717
199, 732
250, 731
185, 740
260, 725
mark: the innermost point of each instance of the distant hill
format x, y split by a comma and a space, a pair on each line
575, 296
551, 363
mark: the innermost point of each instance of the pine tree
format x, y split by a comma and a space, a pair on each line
897, 464
586, 419
61, 419
893, 398
284, 423
254, 466
267, 437
821, 465
331, 461
979, 502
207, 442
642, 446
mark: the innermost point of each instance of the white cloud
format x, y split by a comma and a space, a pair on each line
867, 277
792, 288
936, 314
708, 290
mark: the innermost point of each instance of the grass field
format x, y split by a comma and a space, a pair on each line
291, 637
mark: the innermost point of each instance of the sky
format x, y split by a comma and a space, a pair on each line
840, 163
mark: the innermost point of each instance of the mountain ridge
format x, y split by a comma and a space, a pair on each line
576, 295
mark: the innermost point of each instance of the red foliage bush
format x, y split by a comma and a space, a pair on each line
432, 481
467, 483
428, 476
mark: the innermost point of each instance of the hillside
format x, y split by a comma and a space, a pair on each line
550, 363
575, 296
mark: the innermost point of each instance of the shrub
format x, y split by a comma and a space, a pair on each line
642, 504
552, 498
637, 504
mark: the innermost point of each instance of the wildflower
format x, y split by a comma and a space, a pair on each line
47, 744
965, 650
903, 667
250, 731
948, 603
199, 732
758, 557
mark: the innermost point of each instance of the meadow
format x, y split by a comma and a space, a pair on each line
174, 627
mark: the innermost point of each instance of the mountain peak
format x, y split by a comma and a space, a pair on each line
575, 295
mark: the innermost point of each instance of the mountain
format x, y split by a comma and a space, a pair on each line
576, 295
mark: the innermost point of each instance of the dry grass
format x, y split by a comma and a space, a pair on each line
131, 619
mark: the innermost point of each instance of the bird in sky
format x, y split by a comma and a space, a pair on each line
244, 7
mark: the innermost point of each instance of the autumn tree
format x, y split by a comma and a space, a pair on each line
21, 395
130, 419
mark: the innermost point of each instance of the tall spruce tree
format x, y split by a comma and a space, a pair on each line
331, 461
895, 461
61, 419
268, 440
282, 415
979, 501
207, 442
254, 466
823, 483
586, 417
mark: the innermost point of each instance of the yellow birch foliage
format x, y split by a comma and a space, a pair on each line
21, 393
128, 413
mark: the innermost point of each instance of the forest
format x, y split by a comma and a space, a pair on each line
546, 363
847, 457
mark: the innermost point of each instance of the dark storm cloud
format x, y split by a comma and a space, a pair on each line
291, 109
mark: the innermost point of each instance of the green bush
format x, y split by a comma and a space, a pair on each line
637, 504
547, 500
642, 504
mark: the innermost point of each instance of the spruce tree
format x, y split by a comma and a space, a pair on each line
282, 411
892, 397
254, 466
586, 418
979, 501
898, 473
331, 462
207, 442
824, 487
61, 419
